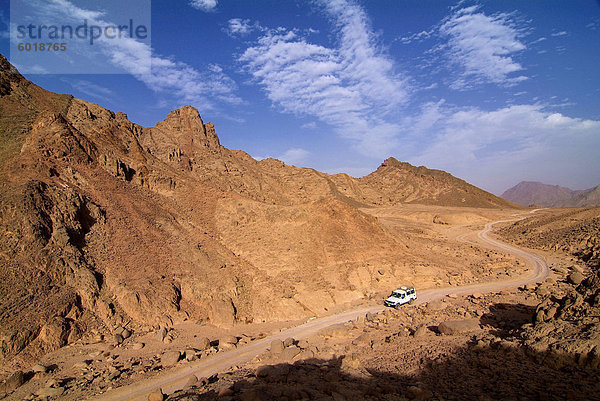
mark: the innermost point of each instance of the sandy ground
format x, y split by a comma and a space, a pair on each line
459, 231
176, 379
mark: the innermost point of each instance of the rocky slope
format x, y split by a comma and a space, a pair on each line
395, 182
574, 232
106, 224
528, 193
566, 328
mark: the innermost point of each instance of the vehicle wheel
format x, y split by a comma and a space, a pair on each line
412, 301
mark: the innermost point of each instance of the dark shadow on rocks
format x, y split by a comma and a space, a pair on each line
507, 318
500, 371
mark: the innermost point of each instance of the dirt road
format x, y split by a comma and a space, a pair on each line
176, 379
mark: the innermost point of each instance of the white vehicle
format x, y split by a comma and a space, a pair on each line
401, 296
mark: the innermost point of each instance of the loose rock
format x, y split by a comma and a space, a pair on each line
170, 358
156, 395
451, 327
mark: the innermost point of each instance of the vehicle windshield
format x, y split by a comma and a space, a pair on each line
397, 294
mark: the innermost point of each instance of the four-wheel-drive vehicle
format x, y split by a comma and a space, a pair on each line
401, 296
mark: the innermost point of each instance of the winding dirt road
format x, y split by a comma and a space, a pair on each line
176, 379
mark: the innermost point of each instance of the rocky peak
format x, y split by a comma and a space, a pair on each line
8, 74
391, 162
186, 126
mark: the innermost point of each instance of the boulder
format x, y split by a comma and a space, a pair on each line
50, 392
276, 347
576, 278
422, 331
192, 381
39, 368
306, 354
451, 327
229, 340
204, 343
13, 382
118, 338
170, 358
290, 352
161, 334
190, 354
156, 395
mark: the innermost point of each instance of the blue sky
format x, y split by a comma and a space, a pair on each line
492, 92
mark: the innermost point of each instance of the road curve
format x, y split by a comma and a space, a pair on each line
176, 379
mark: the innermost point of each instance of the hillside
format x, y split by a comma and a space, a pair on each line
105, 223
528, 193
395, 182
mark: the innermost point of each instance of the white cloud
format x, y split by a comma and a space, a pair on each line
352, 86
351, 171
510, 142
483, 47
538, 40
238, 26
291, 156
311, 125
416, 37
93, 90
204, 5
294, 156
561, 33
188, 85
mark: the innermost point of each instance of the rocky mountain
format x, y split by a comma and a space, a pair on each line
396, 182
105, 223
528, 193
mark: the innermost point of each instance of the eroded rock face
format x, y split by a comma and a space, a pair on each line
46, 228
223, 312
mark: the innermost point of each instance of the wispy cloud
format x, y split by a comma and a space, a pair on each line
483, 47
91, 89
310, 125
561, 33
538, 40
241, 27
416, 37
352, 86
512, 140
205, 88
294, 156
204, 5
594, 24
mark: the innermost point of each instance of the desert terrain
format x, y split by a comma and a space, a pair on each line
155, 263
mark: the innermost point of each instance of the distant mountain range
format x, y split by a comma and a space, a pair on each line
536, 193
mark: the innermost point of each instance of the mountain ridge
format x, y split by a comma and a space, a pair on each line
528, 193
